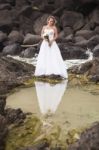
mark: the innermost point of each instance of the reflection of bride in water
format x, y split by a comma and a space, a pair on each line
49, 96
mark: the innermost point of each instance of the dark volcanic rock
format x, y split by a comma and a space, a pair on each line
16, 36
90, 68
13, 73
2, 104
89, 139
12, 49
3, 132
29, 52
3, 36
31, 39
72, 52
14, 116
72, 19
96, 51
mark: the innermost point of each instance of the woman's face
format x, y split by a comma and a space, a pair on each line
51, 22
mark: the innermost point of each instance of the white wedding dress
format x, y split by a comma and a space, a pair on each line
49, 59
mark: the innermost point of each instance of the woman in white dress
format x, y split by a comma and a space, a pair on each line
49, 61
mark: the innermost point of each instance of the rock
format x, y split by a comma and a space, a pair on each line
79, 39
3, 36
16, 36
95, 16
93, 41
96, 51
90, 69
3, 132
31, 39
68, 31
5, 6
12, 49
2, 104
89, 139
87, 34
29, 52
6, 21
72, 52
97, 30
14, 116
72, 19
13, 73
38, 24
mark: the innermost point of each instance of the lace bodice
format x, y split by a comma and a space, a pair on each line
49, 32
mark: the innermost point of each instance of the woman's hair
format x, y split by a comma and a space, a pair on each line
52, 17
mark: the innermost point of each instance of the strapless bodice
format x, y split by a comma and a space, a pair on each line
49, 32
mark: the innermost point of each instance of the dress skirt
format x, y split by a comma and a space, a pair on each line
50, 61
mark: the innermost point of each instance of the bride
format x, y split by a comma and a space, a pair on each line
49, 61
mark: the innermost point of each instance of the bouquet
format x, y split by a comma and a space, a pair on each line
46, 37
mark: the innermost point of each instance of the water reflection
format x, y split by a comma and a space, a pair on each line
49, 96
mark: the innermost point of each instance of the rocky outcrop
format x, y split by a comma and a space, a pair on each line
90, 69
89, 139
3, 132
13, 73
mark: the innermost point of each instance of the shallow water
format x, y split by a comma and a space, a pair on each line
68, 106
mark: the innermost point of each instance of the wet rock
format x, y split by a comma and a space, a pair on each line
89, 139
90, 69
96, 51
15, 36
2, 104
13, 73
6, 21
72, 19
72, 52
12, 49
87, 34
93, 41
95, 16
29, 52
31, 39
3, 132
14, 116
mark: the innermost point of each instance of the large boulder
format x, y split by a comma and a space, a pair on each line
87, 34
29, 52
6, 20
12, 49
31, 39
72, 19
72, 52
16, 36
